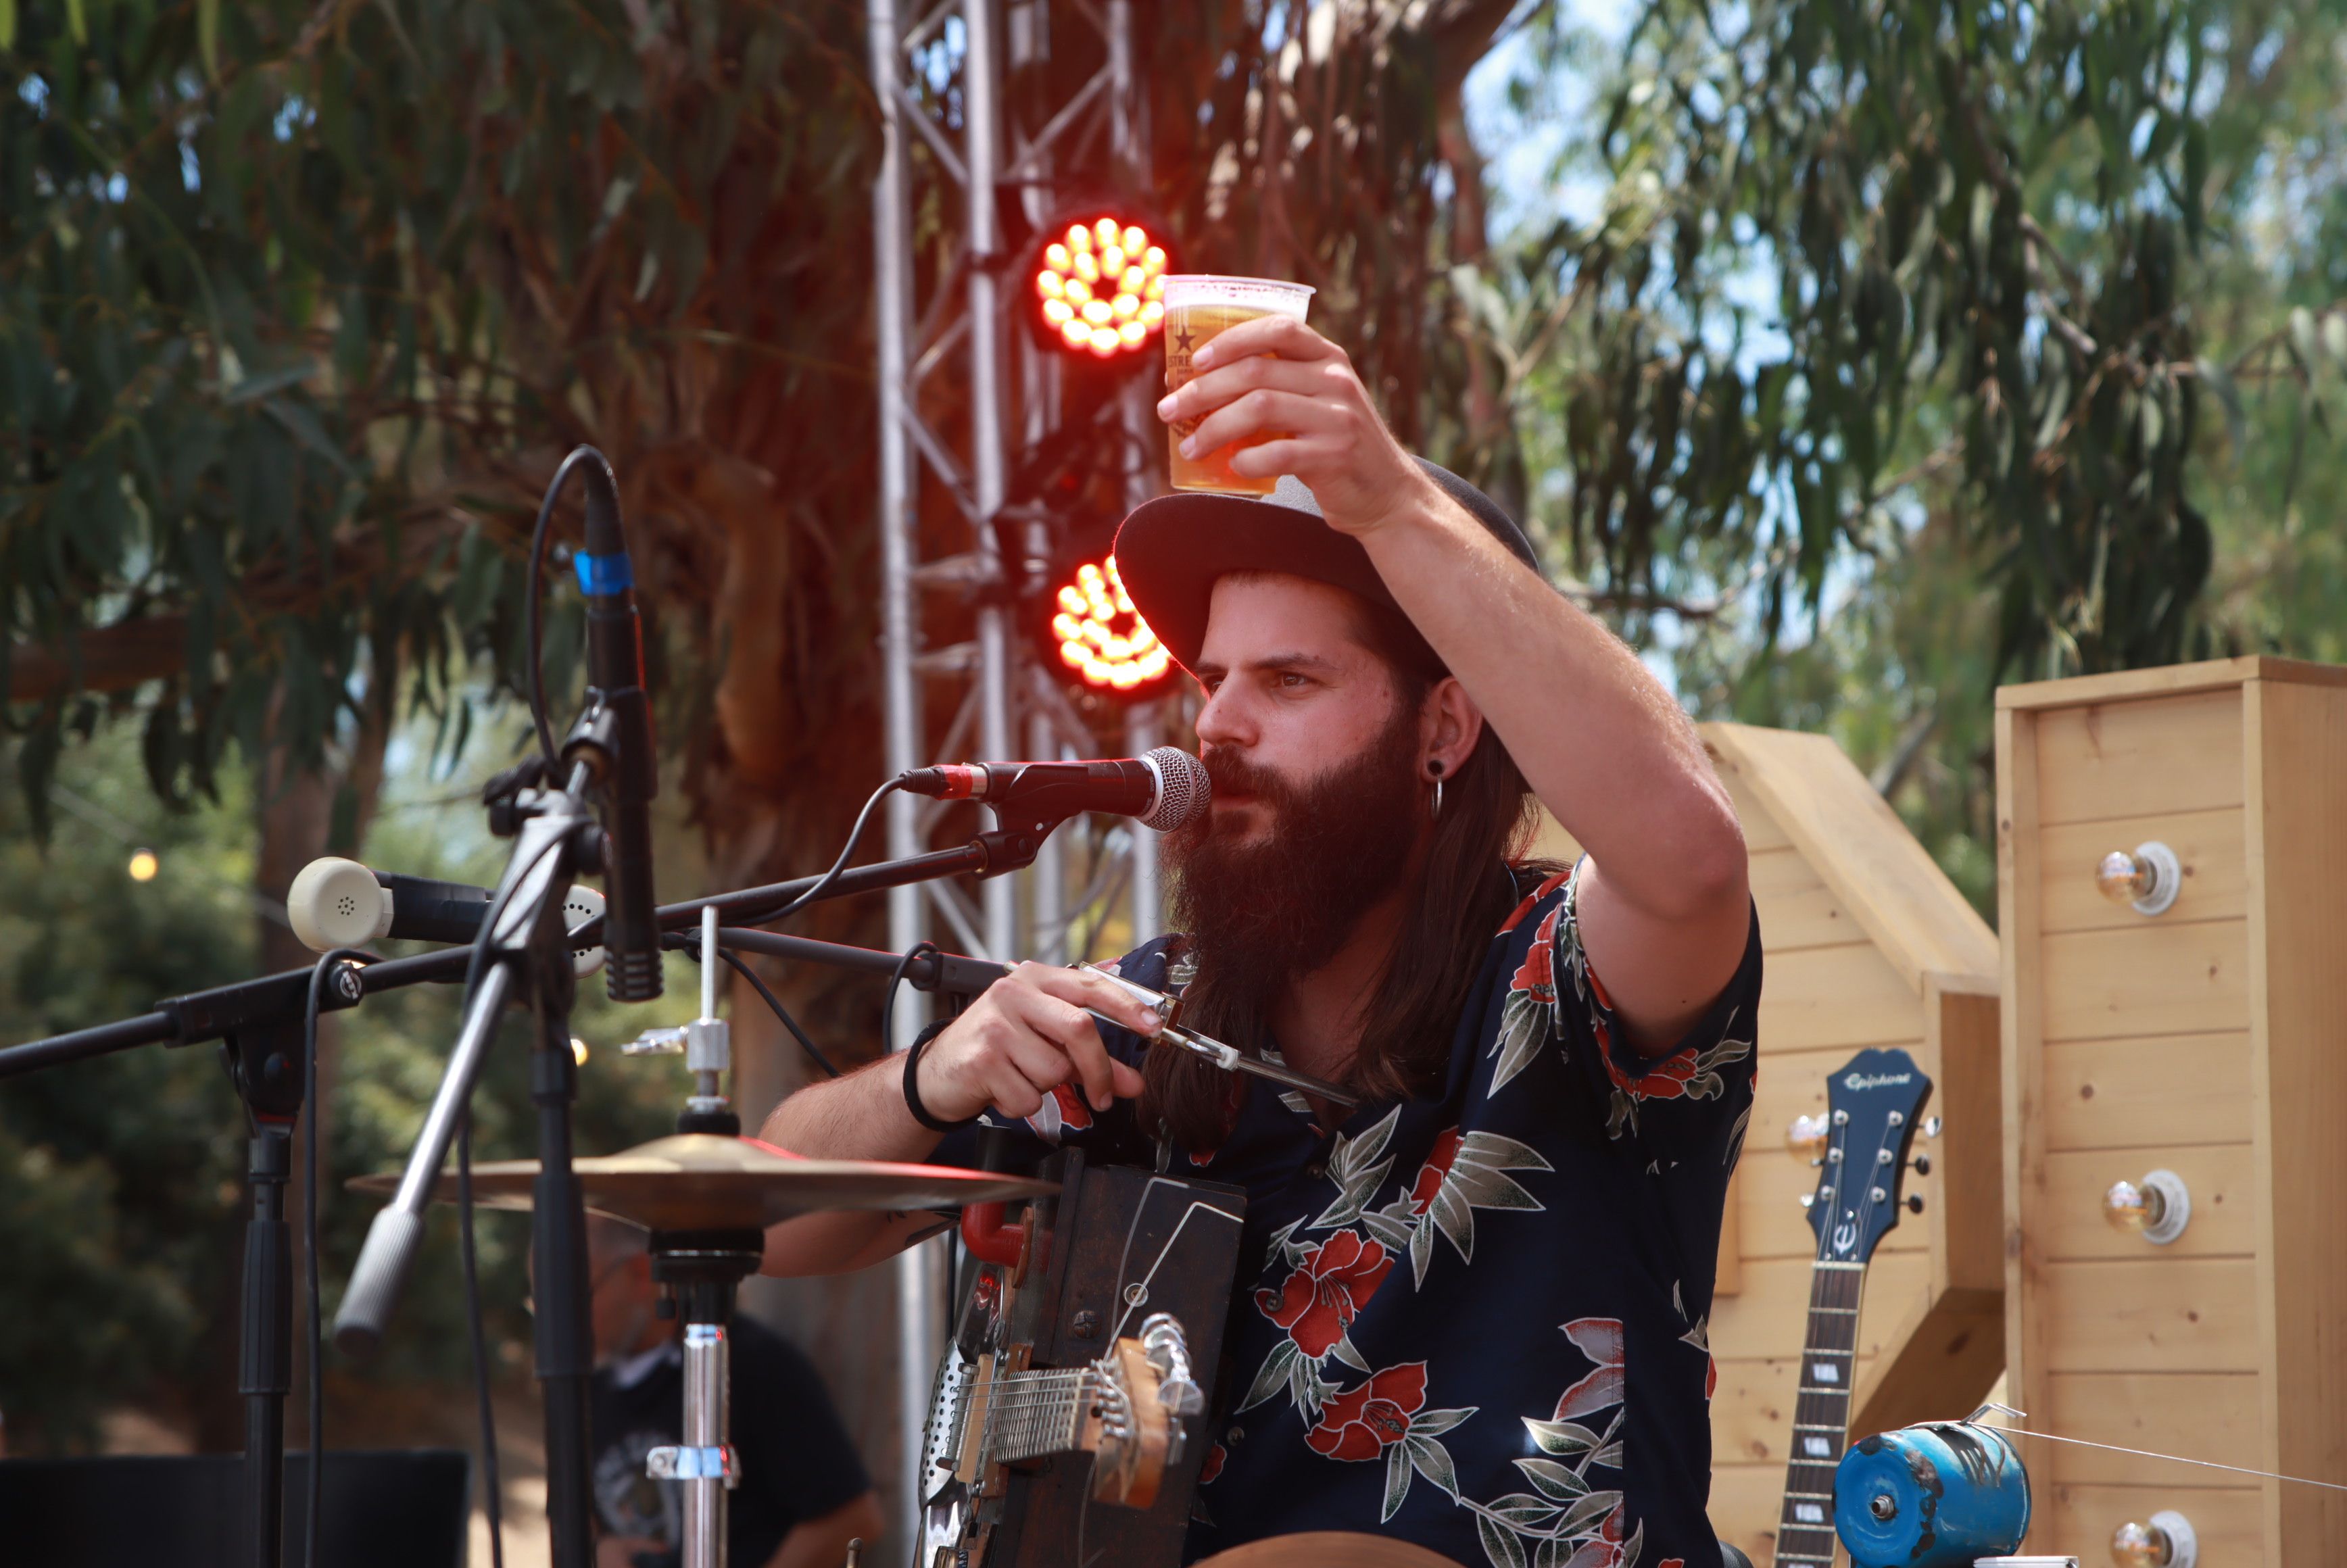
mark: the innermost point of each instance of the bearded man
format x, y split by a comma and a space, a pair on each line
1476, 1305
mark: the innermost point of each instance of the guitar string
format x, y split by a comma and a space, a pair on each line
1126, 1291
1025, 1408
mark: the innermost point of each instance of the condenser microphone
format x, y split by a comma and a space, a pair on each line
1164, 789
338, 903
615, 671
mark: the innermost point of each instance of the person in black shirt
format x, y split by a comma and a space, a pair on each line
803, 1494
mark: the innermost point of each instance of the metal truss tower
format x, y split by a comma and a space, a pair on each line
957, 385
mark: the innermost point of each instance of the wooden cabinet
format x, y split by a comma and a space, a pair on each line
2210, 1040
1867, 944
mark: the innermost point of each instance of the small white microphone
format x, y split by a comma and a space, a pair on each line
339, 903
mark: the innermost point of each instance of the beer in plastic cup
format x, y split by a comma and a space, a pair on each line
1197, 307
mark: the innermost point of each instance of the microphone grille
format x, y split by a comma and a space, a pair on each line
1183, 791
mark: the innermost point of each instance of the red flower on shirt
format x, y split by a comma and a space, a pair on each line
1431, 1176
1536, 976
1064, 1111
1600, 1339
1525, 1017
1604, 1548
1326, 1291
1535, 895
1690, 1074
1360, 1425
1213, 1465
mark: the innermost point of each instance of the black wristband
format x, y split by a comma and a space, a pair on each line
912, 1090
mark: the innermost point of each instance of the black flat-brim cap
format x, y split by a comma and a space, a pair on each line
1171, 552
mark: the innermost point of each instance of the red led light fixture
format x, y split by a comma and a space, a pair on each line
1100, 286
1102, 640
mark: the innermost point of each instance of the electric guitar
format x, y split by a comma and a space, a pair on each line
1873, 1103
1065, 1421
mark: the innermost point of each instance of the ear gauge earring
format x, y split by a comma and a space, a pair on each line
1436, 769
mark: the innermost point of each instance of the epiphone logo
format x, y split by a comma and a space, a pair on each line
1876, 1080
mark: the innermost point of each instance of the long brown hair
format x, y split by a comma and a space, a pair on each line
1456, 900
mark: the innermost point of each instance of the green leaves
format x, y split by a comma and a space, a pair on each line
1976, 226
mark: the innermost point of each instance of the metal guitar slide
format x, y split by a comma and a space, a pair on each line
1229, 1058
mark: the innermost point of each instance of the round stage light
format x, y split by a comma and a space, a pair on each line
1101, 637
1102, 286
144, 864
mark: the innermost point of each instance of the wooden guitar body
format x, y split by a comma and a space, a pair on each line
1328, 1549
1109, 1482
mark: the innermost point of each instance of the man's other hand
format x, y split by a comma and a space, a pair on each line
1026, 1035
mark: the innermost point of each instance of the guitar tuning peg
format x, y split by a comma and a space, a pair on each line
1923, 1164
1931, 1126
1914, 1203
1807, 1199
1181, 1396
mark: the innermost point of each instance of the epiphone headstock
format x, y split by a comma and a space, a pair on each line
1873, 1103
1135, 1427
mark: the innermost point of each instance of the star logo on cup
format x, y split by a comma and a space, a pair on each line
1183, 338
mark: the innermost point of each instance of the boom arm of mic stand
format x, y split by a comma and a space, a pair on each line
391, 1239
205, 1015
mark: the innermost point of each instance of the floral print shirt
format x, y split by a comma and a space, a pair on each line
1477, 1320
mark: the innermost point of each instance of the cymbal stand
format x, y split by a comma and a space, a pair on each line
701, 1269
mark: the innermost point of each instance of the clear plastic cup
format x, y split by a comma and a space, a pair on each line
1198, 306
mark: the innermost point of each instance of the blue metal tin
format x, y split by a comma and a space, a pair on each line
1933, 1496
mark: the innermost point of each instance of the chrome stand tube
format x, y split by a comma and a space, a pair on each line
706, 1420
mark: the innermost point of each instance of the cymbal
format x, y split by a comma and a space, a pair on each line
1328, 1549
696, 1181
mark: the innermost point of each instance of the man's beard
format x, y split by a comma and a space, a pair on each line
1278, 906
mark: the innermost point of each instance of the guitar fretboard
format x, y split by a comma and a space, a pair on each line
1805, 1532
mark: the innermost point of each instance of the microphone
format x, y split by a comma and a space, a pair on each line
338, 903
1165, 789
615, 674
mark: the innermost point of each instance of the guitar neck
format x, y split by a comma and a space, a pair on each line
1030, 1414
1805, 1532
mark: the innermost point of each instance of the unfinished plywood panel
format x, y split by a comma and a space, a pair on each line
2202, 1041
1867, 944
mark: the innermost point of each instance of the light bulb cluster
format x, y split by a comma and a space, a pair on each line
1101, 636
1103, 285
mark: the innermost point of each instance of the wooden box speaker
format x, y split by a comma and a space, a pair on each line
2172, 870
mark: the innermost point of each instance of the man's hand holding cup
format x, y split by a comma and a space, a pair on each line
1275, 383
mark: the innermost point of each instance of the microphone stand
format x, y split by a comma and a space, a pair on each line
523, 954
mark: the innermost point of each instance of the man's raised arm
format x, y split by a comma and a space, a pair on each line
1663, 904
